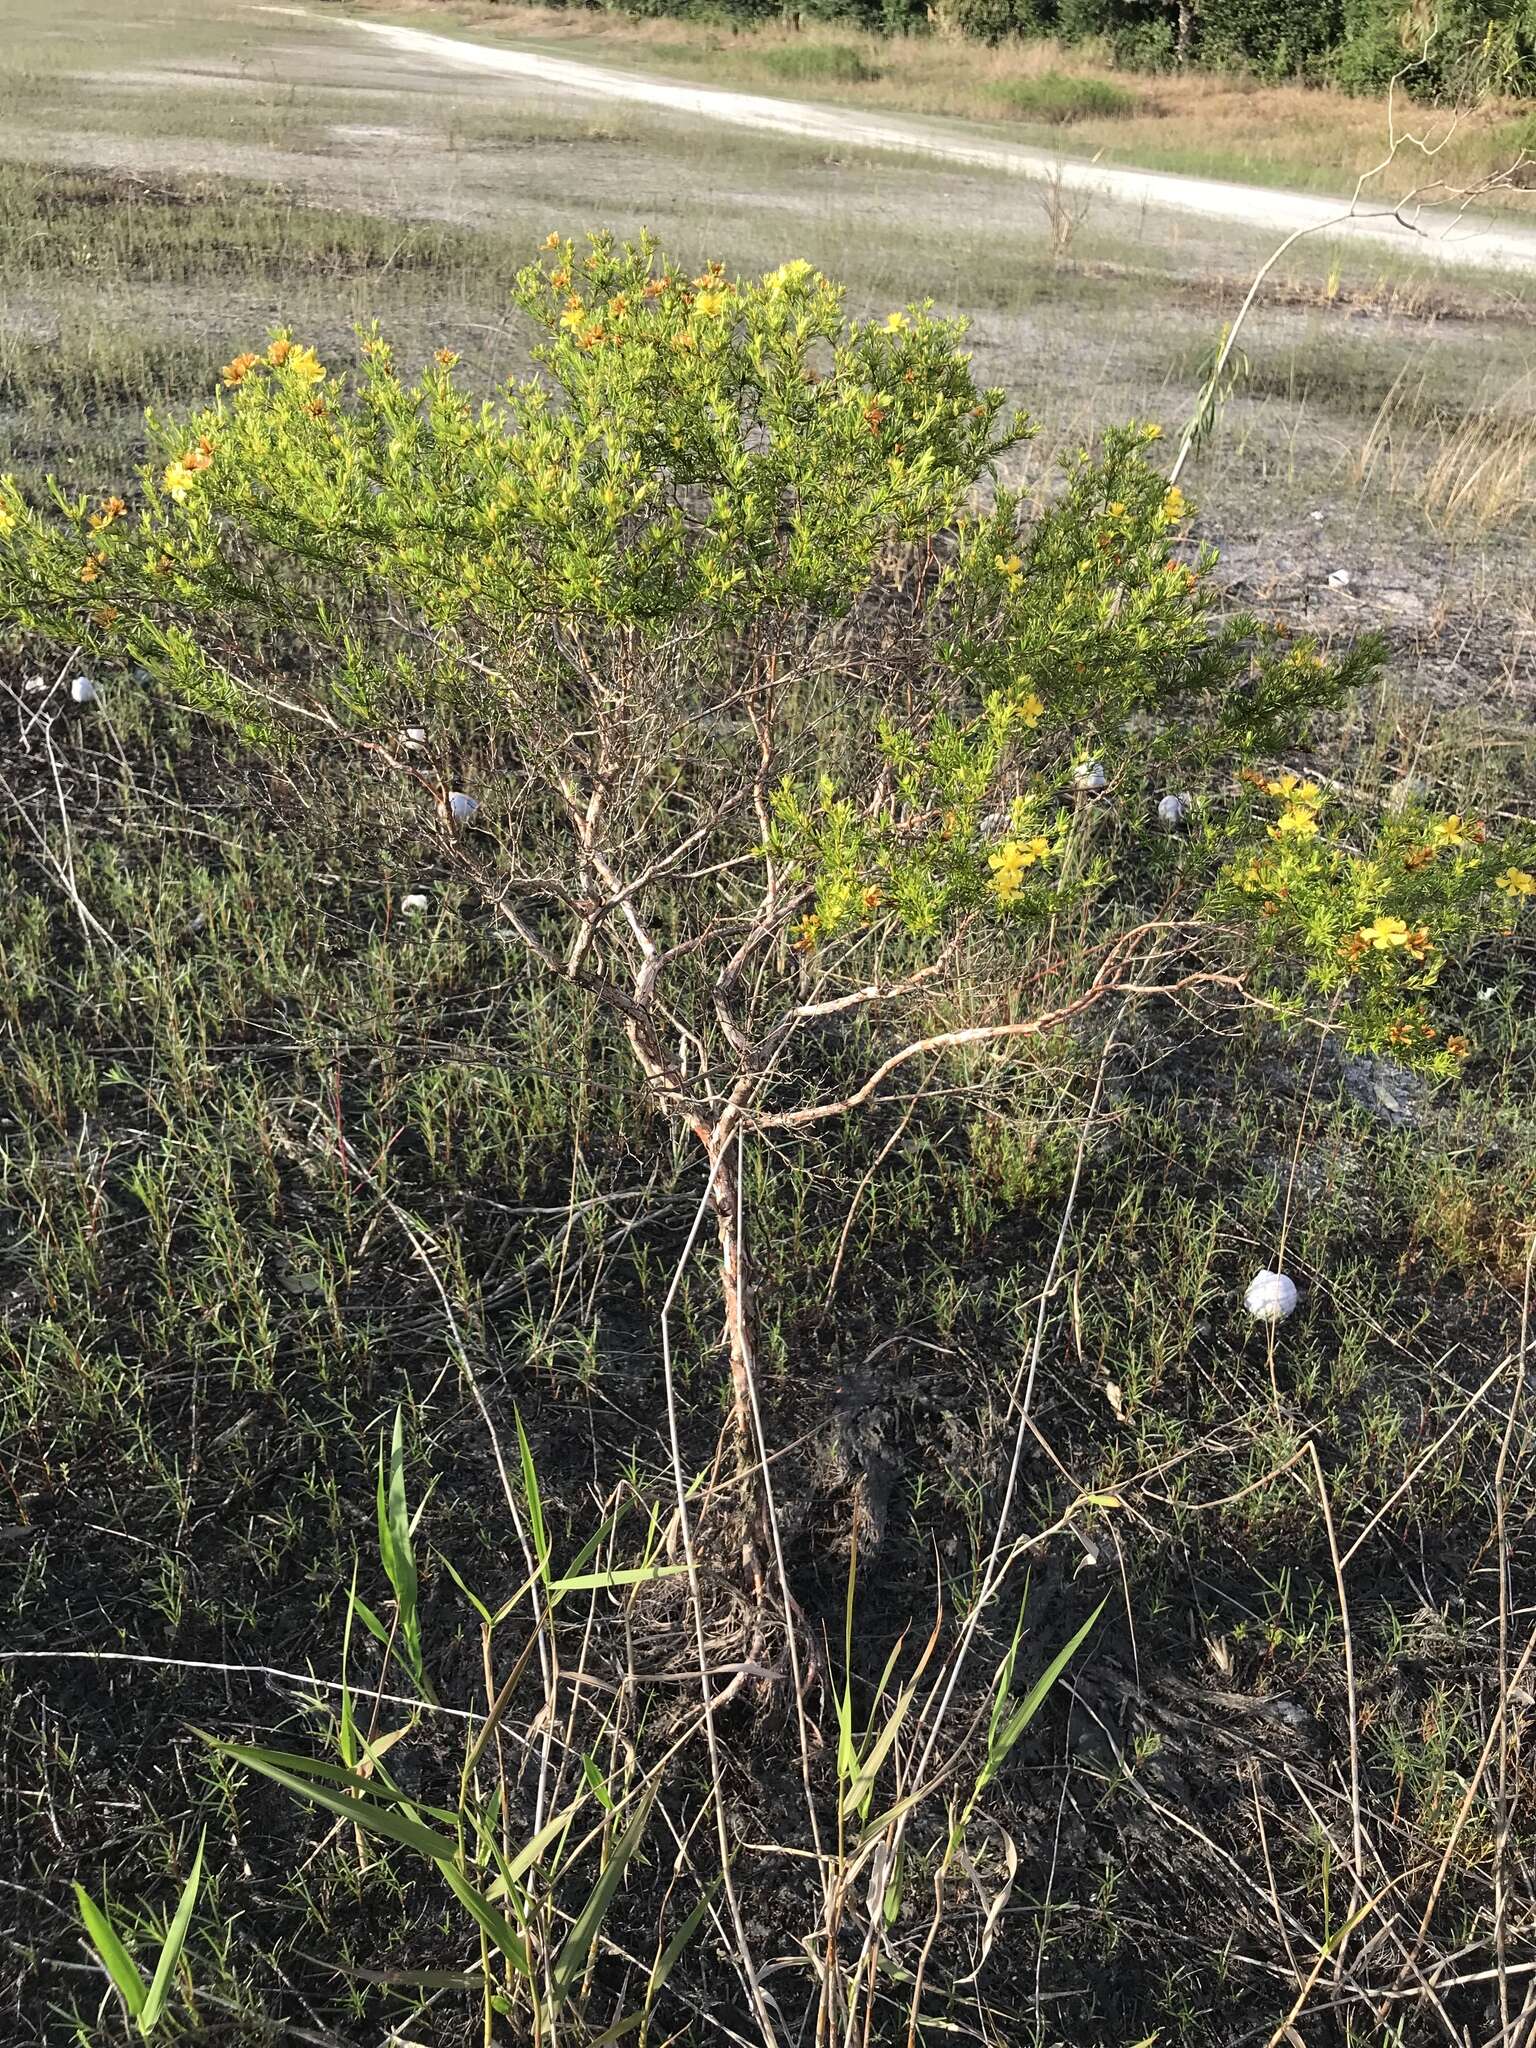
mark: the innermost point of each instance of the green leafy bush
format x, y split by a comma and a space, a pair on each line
1058, 97
591, 595
1275, 38
818, 64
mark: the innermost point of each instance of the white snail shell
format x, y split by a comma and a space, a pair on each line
1271, 1297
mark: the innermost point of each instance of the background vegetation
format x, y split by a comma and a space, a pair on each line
1360, 45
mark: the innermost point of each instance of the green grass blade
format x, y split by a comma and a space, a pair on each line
534, 1498
488, 1919
115, 1959
175, 1941
1035, 1698
666, 1962
365, 1810
568, 1966
622, 1575
533, 1849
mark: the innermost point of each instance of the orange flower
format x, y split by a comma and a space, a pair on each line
112, 509
279, 351
92, 568
1457, 1046
234, 372
445, 358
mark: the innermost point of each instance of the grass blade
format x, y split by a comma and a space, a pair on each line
175, 1941
364, 1810
115, 1959
572, 1959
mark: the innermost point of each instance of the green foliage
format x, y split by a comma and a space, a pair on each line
1455, 51
1275, 38
819, 64
146, 2003
1058, 97
626, 581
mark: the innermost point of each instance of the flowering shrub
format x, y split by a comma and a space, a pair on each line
621, 602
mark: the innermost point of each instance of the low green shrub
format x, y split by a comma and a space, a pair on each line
1059, 97
819, 64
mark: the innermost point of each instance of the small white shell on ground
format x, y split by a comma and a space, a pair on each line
414, 905
1089, 775
1173, 810
463, 807
1339, 579
1271, 1297
82, 690
415, 736
993, 825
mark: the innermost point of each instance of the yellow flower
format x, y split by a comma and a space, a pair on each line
895, 322
1296, 821
1293, 789
1009, 565
1385, 934
1175, 505
551, 240
575, 314
1516, 882
787, 274
1030, 709
306, 366
1117, 510
710, 303
1449, 831
179, 480
1010, 861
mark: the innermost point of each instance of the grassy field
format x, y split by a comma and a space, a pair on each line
281, 1158
1212, 125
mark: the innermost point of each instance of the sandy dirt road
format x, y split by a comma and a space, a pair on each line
1434, 234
